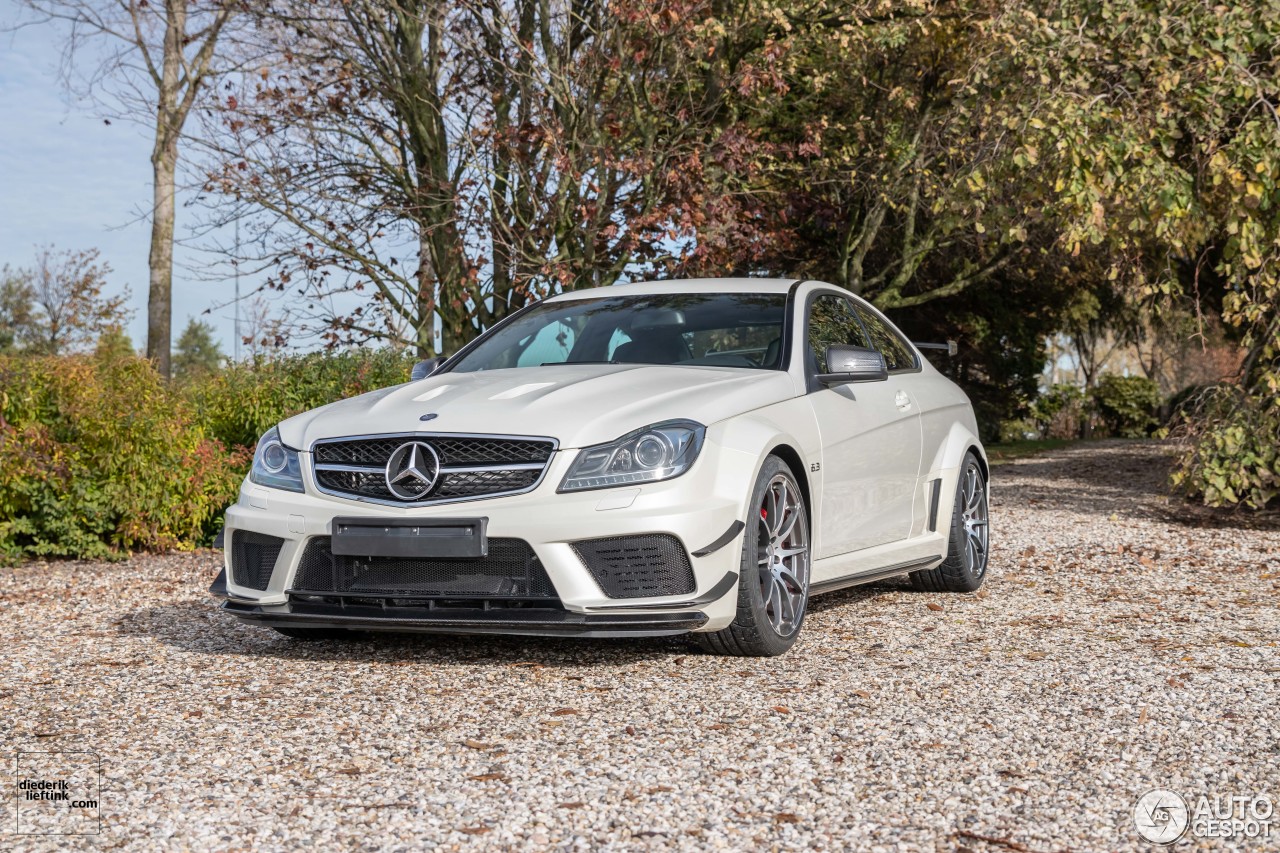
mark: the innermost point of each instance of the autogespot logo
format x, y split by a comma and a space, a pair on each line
1161, 816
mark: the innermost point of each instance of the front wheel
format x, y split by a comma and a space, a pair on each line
773, 584
966, 564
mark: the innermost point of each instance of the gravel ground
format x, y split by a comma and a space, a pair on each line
1123, 642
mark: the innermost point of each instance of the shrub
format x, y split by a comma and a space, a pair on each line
1126, 404
98, 456
238, 404
1231, 449
1061, 412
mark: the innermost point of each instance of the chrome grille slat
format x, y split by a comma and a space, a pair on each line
472, 466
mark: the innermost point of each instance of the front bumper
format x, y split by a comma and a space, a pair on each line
534, 622
702, 509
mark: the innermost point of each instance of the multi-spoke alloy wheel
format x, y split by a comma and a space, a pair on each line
773, 585
968, 548
973, 518
783, 555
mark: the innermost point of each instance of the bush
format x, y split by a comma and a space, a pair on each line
238, 404
1126, 405
1230, 449
1062, 412
98, 456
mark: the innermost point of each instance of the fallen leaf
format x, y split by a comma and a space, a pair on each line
563, 712
551, 724
349, 771
1035, 655
864, 694
782, 709
660, 789
1142, 718
475, 744
488, 777
932, 606
786, 817
631, 730
576, 805
1030, 551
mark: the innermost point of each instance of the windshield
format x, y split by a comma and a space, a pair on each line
713, 329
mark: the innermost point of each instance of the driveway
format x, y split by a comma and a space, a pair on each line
1123, 642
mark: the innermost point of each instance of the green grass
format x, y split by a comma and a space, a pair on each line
1006, 452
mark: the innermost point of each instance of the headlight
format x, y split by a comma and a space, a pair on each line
275, 465
657, 452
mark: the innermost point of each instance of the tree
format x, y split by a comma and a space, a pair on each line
197, 352
158, 57
16, 298
113, 342
1157, 127
66, 310
882, 156
455, 160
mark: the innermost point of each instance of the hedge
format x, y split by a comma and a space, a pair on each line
100, 457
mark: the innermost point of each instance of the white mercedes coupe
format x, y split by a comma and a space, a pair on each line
642, 459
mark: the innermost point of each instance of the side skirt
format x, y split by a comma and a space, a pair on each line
873, 575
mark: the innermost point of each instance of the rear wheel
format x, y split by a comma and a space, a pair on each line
966, 564
773, 584
313, 633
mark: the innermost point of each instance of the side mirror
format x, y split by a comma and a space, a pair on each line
423, 369
853, 364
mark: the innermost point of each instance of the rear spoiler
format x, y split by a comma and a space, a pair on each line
949, 346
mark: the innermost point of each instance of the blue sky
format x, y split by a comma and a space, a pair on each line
68, 179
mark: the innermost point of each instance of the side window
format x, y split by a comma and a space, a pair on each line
832, 322
886, 340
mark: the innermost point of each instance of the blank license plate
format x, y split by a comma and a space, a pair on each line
406, 537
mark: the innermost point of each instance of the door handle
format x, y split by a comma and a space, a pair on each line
902, 400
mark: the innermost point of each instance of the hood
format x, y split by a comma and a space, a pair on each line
578, 404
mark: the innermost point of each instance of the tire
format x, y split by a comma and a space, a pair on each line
772, 598
313, 633
965, 567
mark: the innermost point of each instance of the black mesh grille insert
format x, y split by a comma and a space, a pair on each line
253, 557
453, 450
458, 452
638, 566
511, 571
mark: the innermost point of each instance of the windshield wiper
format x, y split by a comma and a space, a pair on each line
588, 361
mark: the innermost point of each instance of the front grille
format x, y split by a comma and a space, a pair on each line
638, 566
253, 558
470, 466
511, 571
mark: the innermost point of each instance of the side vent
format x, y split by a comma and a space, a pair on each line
935, 494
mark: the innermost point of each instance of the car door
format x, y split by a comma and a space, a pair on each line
870, 435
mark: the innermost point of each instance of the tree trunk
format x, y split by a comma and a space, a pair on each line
164, 167
160, 294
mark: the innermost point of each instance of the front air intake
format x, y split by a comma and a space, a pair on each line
638, 566
253, 558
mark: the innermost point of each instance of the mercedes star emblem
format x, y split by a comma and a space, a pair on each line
412, 470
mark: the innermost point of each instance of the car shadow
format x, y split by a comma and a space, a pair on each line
198, 627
